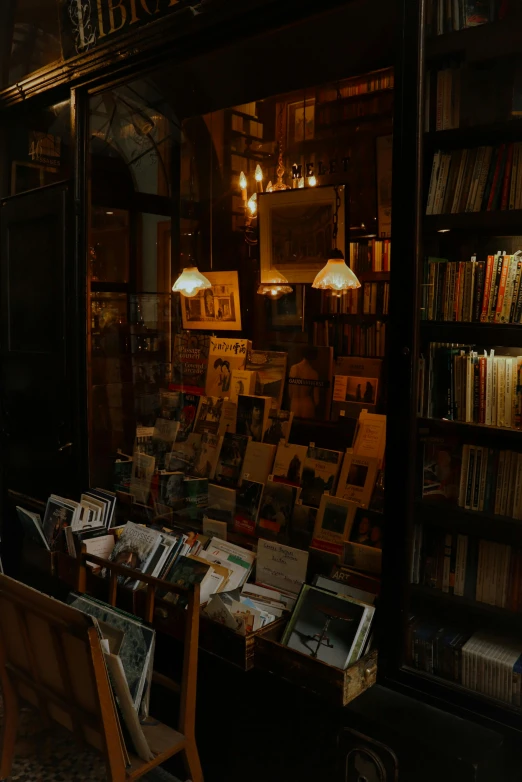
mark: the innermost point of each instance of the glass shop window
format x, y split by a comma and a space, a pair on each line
37, 146
210, 344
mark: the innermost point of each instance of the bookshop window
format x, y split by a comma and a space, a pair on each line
30, 38
194, 392
465, 543
37, 144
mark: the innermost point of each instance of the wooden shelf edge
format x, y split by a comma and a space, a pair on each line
435, 595
494, 431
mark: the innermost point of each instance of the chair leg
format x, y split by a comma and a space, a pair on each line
191, 761
9, 729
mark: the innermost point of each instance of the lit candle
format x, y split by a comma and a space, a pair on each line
259, 178
243, 186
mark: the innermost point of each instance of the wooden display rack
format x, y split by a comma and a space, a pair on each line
168, 618
67, 679
332, 684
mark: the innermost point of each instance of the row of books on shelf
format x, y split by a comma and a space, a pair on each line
337, 111
480, 661
446, 17
250, 127
364, 340
462, 385
371, 299
474, 291
371, 256
358, 85
468, 96
476, 180
474, 477
469, 567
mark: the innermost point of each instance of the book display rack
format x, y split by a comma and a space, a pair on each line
459, 639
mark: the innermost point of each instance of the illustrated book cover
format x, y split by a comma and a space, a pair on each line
270, 371
225, 356
356, 386
357, 479
252, 416
333, 524
231, 458
319, 475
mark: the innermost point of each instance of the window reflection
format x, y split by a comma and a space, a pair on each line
32, 38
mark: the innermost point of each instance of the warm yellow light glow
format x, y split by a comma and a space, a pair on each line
275, 287
259, 173
312, 181
242, 181
301, 182
190, 282
269, 187
252, 204
336, 276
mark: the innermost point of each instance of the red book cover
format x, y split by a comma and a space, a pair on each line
507, 178
502, 288
487, 289
496, 175
482, 389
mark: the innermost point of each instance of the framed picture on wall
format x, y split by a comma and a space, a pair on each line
216, 308
296, 231
301, 121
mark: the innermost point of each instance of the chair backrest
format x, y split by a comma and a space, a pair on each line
50, 654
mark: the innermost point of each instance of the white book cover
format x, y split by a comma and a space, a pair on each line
357, 479
243, 382
370, 439
259, 461
225, 356
508, 403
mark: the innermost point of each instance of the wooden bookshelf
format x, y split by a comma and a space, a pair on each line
427, 594
502, 529
508, 222
462, 429
474, 44
475, 135
507, 335
345, 317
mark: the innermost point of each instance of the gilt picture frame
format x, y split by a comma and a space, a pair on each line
296, 231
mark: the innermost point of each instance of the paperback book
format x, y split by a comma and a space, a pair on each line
190, 360
270, 368
231, 458
225, 356
319, 476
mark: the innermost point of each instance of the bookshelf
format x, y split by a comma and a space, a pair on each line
458, 570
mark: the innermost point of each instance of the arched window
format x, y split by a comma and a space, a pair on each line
29, 38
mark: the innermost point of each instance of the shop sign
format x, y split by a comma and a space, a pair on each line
87, 23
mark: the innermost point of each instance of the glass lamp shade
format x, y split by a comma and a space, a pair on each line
336, 275
276, 287
190, 282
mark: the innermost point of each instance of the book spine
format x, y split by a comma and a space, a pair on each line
440, 100
508, 390
442, 182
483, 175
476, 479
460, 182
489, 389
460, 567
435, 170
507, 174
482, 390
477, 168
496, 177
470, 477
478, 292
463, 476
502, 288
476, 389
483, 475
516, 289
495, 283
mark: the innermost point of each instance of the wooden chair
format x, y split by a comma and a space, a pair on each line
51, 657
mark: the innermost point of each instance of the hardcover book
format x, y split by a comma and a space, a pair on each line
206, 462
279, 426
277, 506
289, 462
225, 356
231, 457
259, 461
328, 627
243, 382
319, 475
190, 360
357, 479
252, 416
333, 524
248, 501
309, 381
270, 370
356, 386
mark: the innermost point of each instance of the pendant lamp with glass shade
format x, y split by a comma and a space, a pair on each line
336, 276
275, 287
190, 282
